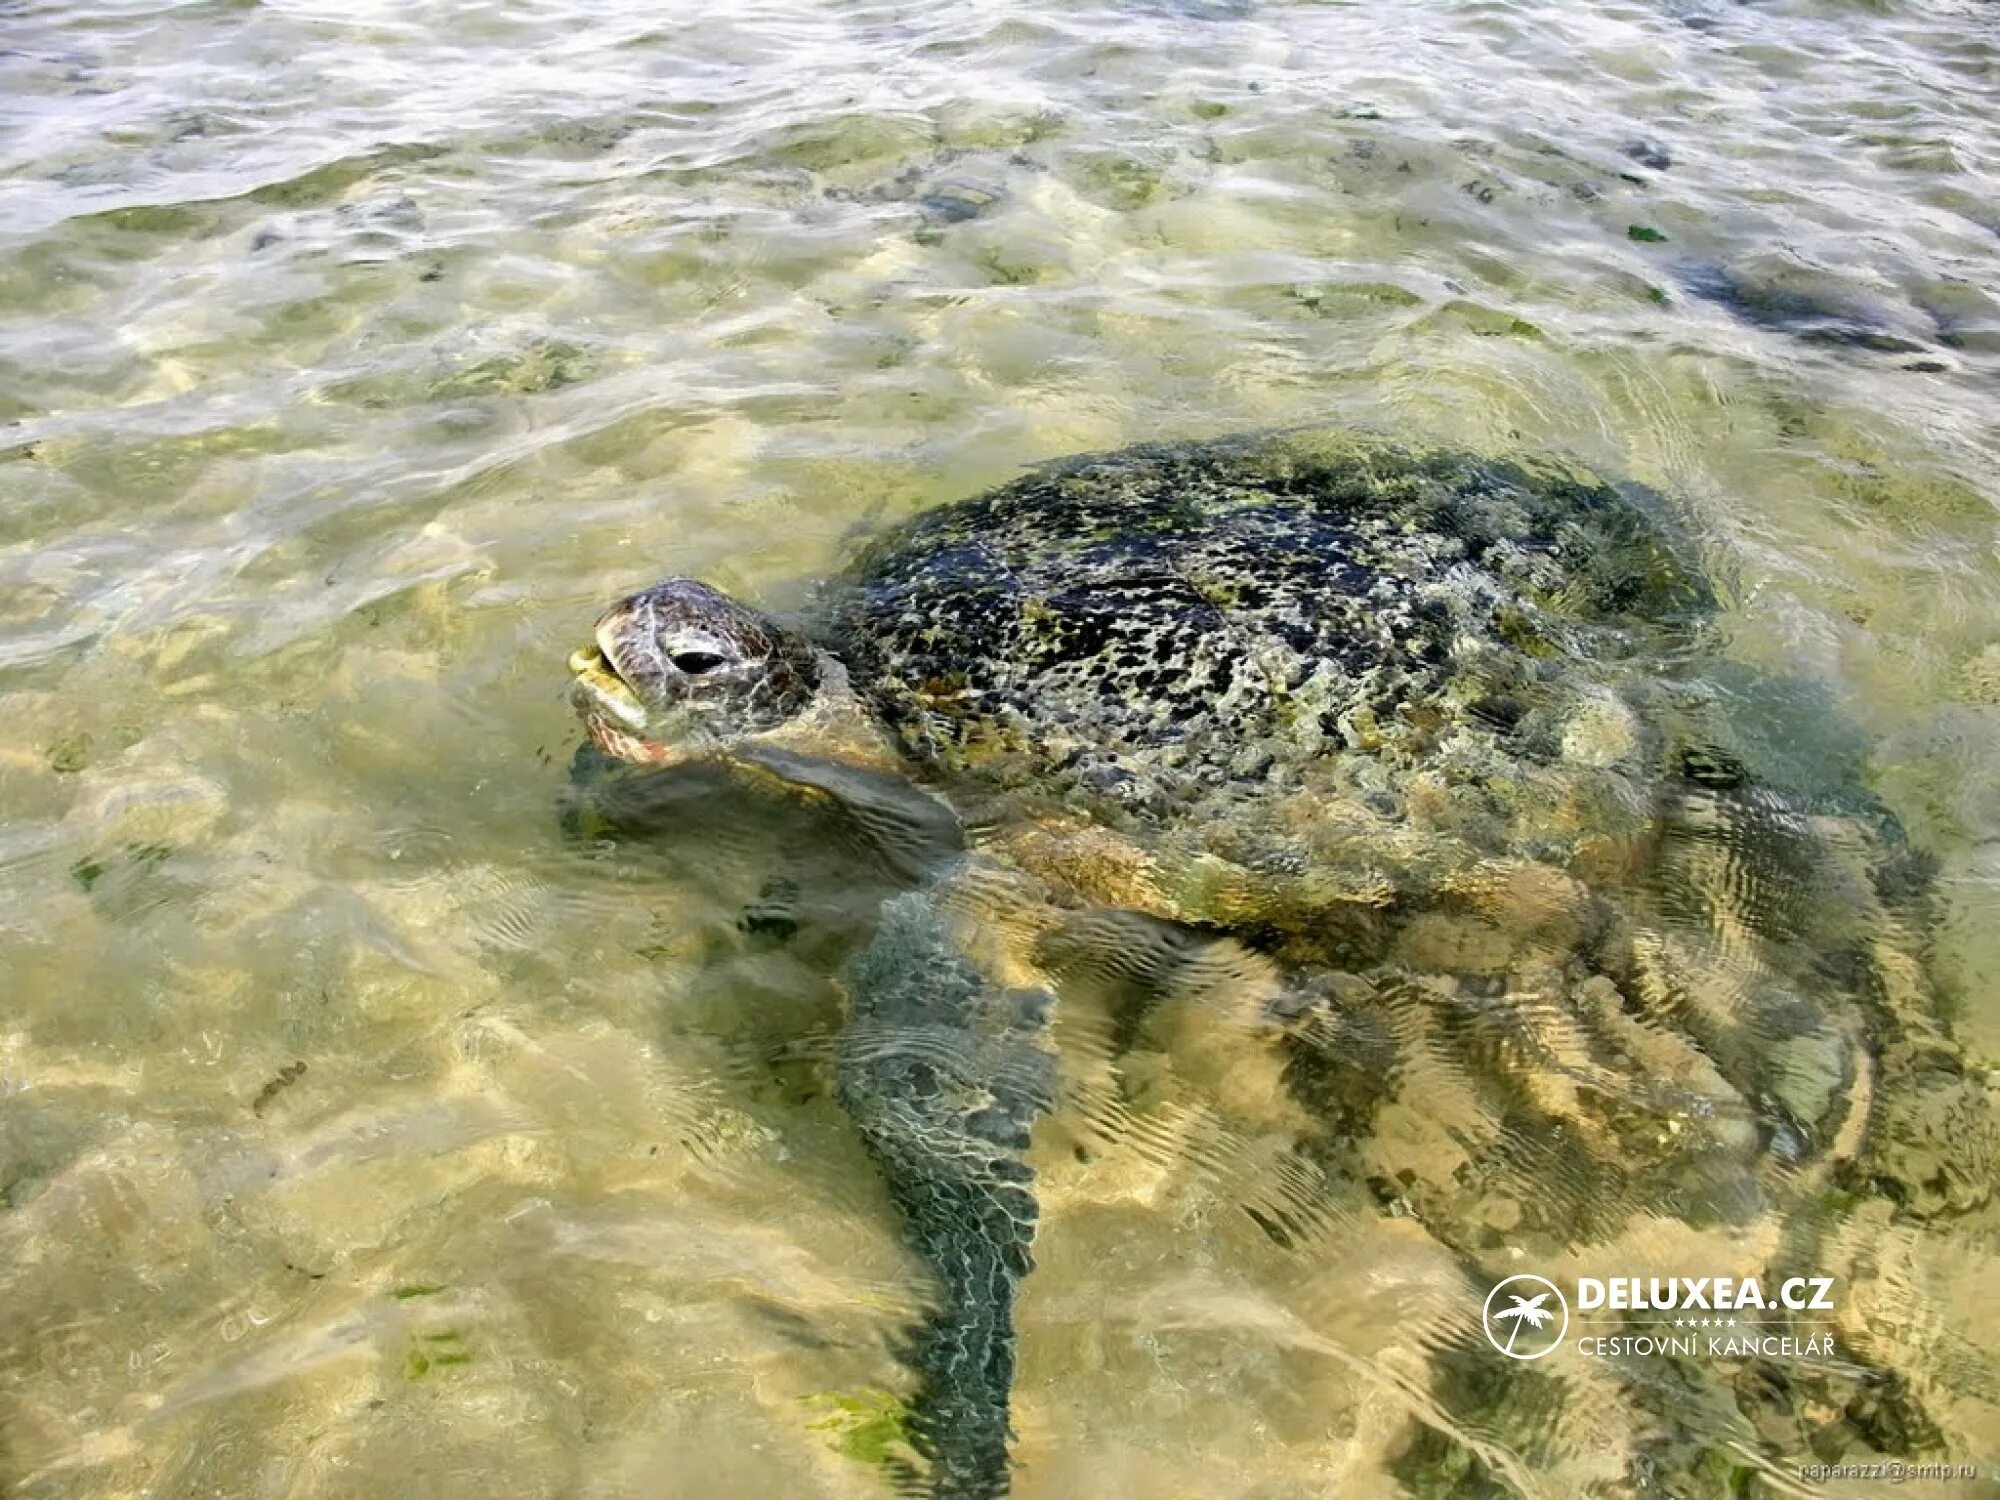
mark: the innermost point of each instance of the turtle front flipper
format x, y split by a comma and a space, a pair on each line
942, 1071
589, 769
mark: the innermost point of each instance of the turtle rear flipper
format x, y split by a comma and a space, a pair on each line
941, 1070
1837, 899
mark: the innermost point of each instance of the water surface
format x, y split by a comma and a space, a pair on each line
359, 1135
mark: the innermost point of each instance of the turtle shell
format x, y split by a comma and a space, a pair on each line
1138, 633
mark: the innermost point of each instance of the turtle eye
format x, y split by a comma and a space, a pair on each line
694, 663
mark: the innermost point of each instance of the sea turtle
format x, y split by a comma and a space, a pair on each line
1371, 731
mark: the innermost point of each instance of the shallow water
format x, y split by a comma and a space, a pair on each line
351, 356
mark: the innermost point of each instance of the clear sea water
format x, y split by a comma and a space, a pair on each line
360, 1136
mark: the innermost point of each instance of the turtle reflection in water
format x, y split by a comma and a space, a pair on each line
1306, 728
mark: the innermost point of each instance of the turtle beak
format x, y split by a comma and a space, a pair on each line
598, 687
613, 632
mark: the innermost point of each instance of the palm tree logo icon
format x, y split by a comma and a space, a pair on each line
1525, 1310
1522, 1302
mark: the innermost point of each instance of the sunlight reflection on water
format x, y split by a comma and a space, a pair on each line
351, 357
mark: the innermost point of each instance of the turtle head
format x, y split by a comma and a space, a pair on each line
680, 670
